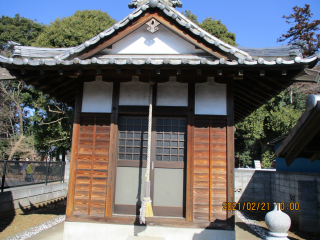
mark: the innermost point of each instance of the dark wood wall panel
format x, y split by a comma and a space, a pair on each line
92, 165
210, 142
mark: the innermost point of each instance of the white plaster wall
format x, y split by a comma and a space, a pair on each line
134, 93
142, 41
101, 231
172, 93
211, 98
97, 97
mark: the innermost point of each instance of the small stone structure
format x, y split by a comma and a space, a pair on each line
278, 223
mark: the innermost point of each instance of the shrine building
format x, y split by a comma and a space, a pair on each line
155, 69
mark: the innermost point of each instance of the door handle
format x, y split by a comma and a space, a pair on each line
152, 165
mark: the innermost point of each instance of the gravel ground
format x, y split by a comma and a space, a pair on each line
27, 218
294, 233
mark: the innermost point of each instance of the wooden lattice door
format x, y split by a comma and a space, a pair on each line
167, 165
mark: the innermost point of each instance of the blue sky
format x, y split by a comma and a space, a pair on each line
256, 23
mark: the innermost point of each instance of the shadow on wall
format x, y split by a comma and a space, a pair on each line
54, 207
138, 228
6, 202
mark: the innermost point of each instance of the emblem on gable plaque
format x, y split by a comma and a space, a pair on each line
153, 25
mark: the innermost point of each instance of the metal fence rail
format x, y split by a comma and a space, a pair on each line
12, 175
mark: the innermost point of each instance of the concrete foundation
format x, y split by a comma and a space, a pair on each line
100, 231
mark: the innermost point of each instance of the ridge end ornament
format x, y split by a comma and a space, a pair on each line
153, 25
171, 3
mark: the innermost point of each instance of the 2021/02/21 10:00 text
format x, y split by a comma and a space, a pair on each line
259, 206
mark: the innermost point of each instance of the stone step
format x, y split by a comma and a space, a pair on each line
144, 238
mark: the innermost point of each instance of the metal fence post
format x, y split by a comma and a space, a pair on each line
47, 171
61, 175
4, 175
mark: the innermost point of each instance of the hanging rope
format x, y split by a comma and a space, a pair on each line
146, 207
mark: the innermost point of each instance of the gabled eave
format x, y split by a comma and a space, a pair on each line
175, 15
303, 135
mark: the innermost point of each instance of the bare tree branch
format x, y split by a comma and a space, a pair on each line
43, 123
60, 111
61, 139
56, 105
11, 118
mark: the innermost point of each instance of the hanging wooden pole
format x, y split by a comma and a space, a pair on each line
146, 207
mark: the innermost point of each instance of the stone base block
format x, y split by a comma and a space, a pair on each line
277, 236
100, 231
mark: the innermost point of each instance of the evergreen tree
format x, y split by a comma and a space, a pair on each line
19, 29
270, 121
74, 30
214, 27
191, 16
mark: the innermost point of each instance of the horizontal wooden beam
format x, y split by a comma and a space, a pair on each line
47, 81
248, 99
67, 95
263, 84
65, 81
161, 110
247, 83
247, 91
315, 156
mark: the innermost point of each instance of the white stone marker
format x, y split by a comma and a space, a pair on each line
278, 223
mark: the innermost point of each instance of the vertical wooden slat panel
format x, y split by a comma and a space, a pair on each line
201, 171
84, 165
100, 166
92, 157
74, 148
219, 169
210, 170
92, 167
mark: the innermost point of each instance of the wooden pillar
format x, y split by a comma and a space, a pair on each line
190, 153
112, 150
210, 171
74, 148
230, 149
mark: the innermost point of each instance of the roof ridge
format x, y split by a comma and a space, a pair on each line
171, 3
